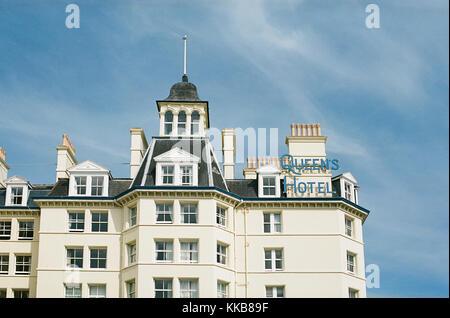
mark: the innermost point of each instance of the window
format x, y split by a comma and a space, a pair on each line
2, 293
23, 264
16, 195
4, 264
352, 293
168, 120
168, 174
132, 214
195, 123
97, 291
164, 212
182, 123
73, 290
100, 222
98, 257
222, 289
274, 291
75, 257
21, 293
80, 185
351, 266
131, 289
189, 252
269, 187
221, 216
348, 226
348, 191
97, 186
26, 231
131, 253
189, 288
272, 222
76, 221
5, 230
273, 259
221, 254
189, 213
186, 175
164, 251
163, 288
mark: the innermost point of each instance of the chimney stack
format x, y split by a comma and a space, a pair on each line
65, 158
3, 167
138, 148
228, 150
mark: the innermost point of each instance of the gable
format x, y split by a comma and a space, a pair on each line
16, 180
88, 166
176, 155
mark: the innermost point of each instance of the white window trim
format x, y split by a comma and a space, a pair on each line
165, 251
25, 193
73, 185
273, 260
268, 171
272, 222
177, 158
355, 263
189, 251
274, 291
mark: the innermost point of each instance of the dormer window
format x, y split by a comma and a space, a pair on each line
348, 191
88, 179
195, 123
167, 174
182, 123
97, 186
17, 190
186, 175
16, 195
269, 187
81, 185
268, 181
168, 123
177, 167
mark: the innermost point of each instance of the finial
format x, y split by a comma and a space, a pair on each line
184, 39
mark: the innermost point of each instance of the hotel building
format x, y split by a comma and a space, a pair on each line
182, 225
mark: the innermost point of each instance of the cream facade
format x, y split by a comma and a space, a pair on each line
178, 226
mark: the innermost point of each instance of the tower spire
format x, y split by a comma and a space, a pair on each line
184, 39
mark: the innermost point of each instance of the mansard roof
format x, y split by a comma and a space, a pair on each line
209, 173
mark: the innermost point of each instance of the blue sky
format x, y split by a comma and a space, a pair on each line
381, 96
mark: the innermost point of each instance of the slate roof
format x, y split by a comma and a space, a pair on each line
209, 173
116, 186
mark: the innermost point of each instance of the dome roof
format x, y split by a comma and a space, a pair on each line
183, 91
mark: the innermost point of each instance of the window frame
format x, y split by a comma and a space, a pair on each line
190, 175
4, 236
167, 175
164, 289
222, 293
222, 220
168, 123
167, 253
97, 186
80, 186
273, 259
349, 228
164, 212
4, 264
15, 196
274, 291
26, 230
191, 259
189, 214
351, 266
72, 287
130, 286
132, 253
99, 222
130, 216
272, 223
190, 292
77, 221
96, 286
353, 292
71, 261
24, 264
97, 258
22, 292
220, 254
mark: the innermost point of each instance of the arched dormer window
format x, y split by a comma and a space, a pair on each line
182, 123
168, 123
195, 123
